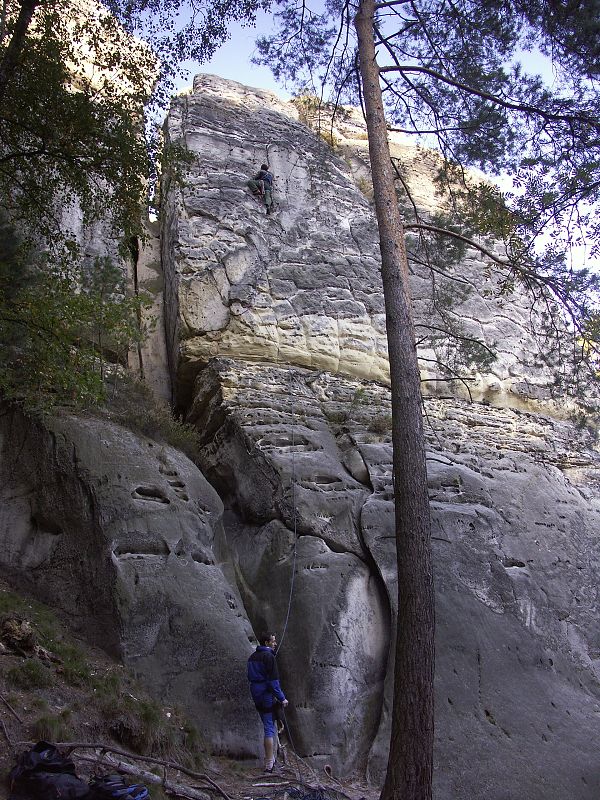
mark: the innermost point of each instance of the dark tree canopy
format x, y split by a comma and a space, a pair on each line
76, 78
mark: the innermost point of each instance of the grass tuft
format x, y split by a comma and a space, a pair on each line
31, 674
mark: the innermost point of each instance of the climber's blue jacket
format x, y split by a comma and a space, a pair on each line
264, 678
265, 176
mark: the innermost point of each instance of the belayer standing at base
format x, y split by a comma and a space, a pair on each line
261, 185
266, 691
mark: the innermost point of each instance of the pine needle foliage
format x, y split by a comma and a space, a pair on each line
453, 78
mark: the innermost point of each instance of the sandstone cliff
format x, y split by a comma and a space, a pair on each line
276, 342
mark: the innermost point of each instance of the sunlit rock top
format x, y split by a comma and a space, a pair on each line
303, 286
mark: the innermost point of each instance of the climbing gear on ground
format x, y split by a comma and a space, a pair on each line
44, 773
112, 787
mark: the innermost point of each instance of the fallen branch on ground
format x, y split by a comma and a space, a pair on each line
70, 746
10, 708
177, 789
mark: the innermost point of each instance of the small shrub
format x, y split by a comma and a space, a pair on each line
74, 669
9, 602
313, 113
331, 139
382, 423
141, 725
336, 417
32, 674
359, 397
309, 108
52, 728
133, 405
107, 685
366, 187
194, 744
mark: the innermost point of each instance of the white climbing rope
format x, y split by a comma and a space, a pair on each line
295, 527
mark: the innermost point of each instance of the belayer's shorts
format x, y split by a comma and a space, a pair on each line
268, 722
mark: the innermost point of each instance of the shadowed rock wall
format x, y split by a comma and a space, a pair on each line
118, 532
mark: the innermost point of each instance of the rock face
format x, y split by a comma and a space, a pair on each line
119, 533
303, 287
516, 542
276, 343
280, 324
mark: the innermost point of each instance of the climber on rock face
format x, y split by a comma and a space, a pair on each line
261, 185
266, 692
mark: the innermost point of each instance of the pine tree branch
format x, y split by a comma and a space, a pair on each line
422, 226
528, 273
450, 334
392, 3
525, 108
453, 376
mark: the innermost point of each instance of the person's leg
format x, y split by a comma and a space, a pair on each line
269, 740
256, 187
269, 200
269, 752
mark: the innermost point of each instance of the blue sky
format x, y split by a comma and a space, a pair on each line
233, 59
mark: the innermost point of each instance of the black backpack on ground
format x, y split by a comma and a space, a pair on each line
112, 787
44, 773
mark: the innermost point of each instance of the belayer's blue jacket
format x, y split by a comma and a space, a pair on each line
264, 678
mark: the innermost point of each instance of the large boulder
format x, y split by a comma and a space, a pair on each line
305, 470
119, 533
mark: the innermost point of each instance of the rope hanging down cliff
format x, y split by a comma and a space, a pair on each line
294, 518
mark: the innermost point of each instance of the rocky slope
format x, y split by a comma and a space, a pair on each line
276, 343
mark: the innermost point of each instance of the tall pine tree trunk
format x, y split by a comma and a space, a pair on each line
410, 765
10, 58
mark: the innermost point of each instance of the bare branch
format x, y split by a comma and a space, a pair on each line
422, 226
453, 335
392, 3
403, 69
11, 709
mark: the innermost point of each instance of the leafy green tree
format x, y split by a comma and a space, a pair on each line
73, 86
448, 73
57, 325
70, 137
75, 146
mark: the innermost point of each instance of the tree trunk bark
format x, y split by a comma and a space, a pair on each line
410, 765
9, 61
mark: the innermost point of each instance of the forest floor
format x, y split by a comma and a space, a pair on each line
55, 687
